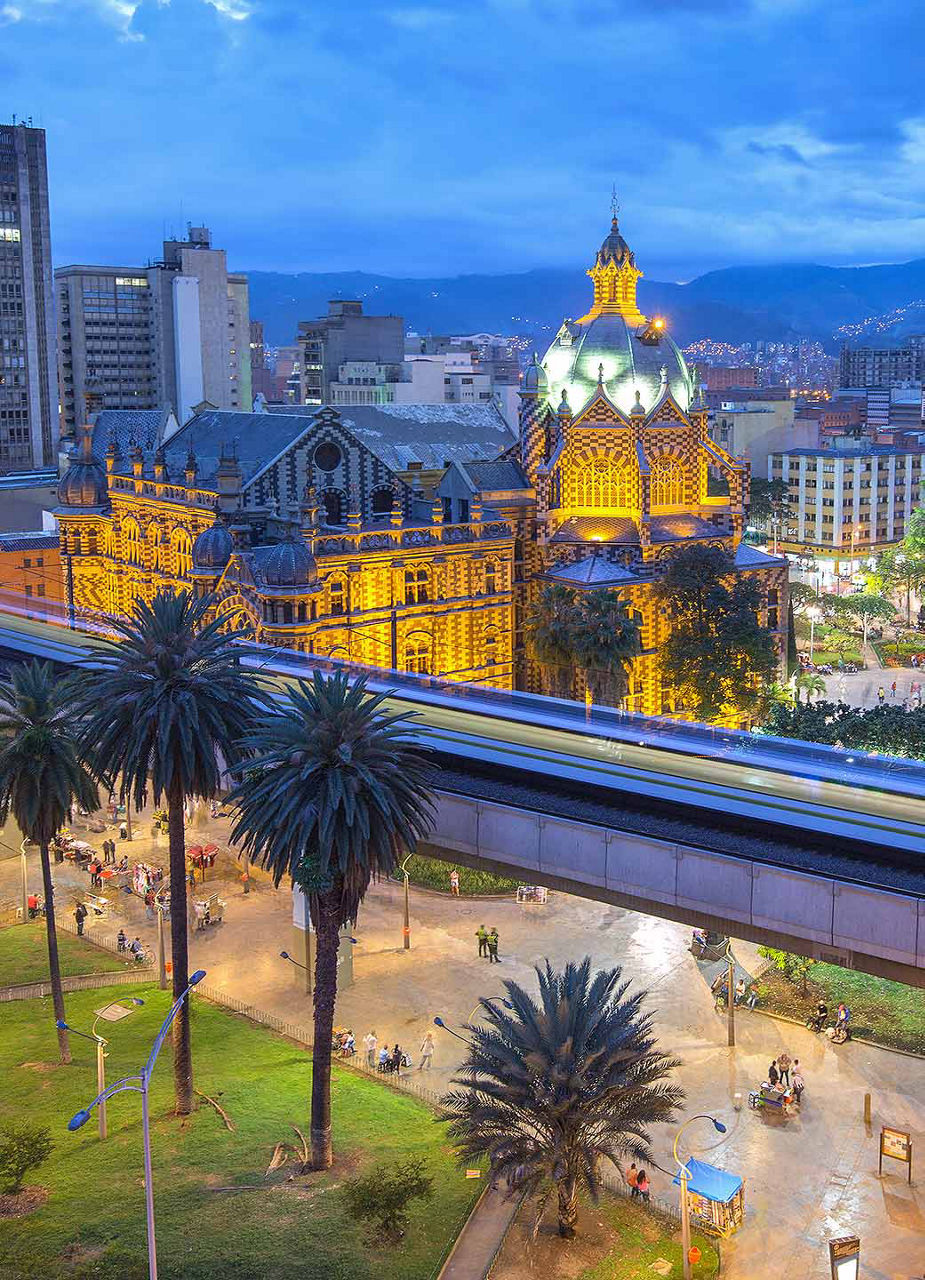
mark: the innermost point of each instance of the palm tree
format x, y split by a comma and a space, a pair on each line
811, 684
605, 642
336, 791
166, 706
42, 776
550, 1088
550, 636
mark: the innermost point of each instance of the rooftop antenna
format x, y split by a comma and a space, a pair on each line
614, 202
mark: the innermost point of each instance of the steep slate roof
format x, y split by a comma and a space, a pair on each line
129, 427
504, 474
749, 557
432, 434
257, 439
28, 541
593, 571
678, 527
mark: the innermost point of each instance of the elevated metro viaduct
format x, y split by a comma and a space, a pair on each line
799, 846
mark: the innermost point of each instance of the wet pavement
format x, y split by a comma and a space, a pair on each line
809, 1177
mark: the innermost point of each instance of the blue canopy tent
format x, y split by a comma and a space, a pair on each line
716, 1198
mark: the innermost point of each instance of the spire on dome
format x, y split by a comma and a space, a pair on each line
615, 274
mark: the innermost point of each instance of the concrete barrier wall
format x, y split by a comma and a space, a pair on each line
874, 929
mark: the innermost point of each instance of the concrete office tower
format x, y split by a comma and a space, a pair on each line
345, 335
169, 335
28, 392
860, 367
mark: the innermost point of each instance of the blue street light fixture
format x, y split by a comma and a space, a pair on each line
101, 1042
127, 1084
438, 1022
683, 1176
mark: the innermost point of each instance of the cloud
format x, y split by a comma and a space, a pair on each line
9, 13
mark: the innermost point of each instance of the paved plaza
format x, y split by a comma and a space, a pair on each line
807, 1178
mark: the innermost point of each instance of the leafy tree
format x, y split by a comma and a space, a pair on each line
718, 657
605, 640
794, 968
866, 608
22, 1147
902, 570
42, 776
840, 643
552, 1087
889, 730
548, 632
802, 597
767, 498
337, 790
386, 1192
166, 706
810, 684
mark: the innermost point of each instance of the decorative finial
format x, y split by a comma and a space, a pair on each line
614, 202
664, 375
564, 406
600, 374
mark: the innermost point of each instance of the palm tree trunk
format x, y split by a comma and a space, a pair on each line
54, 964
179, 954
567, 1190
327, 936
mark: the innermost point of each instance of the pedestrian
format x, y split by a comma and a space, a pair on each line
123, 831
454, 883
33, 904
493, 947
631, 1175
482, 934
121, 940
642, 1185
384, 1058
798, 1082
752, 998
881, 694
395, 1062
370, 1044
136, 949
149, 904
773, 1073
740, 991
783, 1067
893, 689
80, 915
427, 1053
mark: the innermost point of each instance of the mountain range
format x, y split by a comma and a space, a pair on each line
735, 305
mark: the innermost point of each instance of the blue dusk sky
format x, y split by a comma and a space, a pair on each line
435, 137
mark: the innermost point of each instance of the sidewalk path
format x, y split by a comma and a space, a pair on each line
481, 1237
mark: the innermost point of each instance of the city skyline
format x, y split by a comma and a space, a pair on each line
421, 140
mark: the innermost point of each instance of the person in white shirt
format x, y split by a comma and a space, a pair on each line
427, 1053
370, 1044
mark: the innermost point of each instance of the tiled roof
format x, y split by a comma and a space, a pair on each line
503, 474
593, 571
38, 540
257, 438
749, 557
29, 479
677, 528
129, 427
597, 529
432, 434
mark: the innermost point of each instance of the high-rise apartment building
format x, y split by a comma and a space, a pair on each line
170, 335
346, 335
882, 366
28, 393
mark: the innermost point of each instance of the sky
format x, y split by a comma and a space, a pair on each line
436, 137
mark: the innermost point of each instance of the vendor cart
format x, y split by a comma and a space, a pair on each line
716, 1198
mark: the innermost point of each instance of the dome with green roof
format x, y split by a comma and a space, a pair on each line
615, 342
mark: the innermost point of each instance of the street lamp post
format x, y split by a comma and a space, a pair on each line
439, 1022
730, 998
406, 925
284, 955
126, 1084
683, 1175
814, 616
161, 950
101, 1043
24, 872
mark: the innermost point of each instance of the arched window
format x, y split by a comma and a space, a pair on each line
339, 653
91, 542
491, 647
667, 483
131, 541
333, 501
417, 586
418, 650
604, 484
381, 501
182, 547
337, 596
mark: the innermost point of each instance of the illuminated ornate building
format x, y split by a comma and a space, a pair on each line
417, 536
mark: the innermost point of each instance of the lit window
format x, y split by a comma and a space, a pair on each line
416, 586
10, 234
604, 484
667, 483
418, 653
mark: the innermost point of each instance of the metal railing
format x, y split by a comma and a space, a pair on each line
79, 982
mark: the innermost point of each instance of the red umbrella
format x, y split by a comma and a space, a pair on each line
211, 848
194, 849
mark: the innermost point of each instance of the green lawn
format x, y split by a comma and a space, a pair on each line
93, 1221
888, 1013
24, 955
822, 655
644, 1239
431, 873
